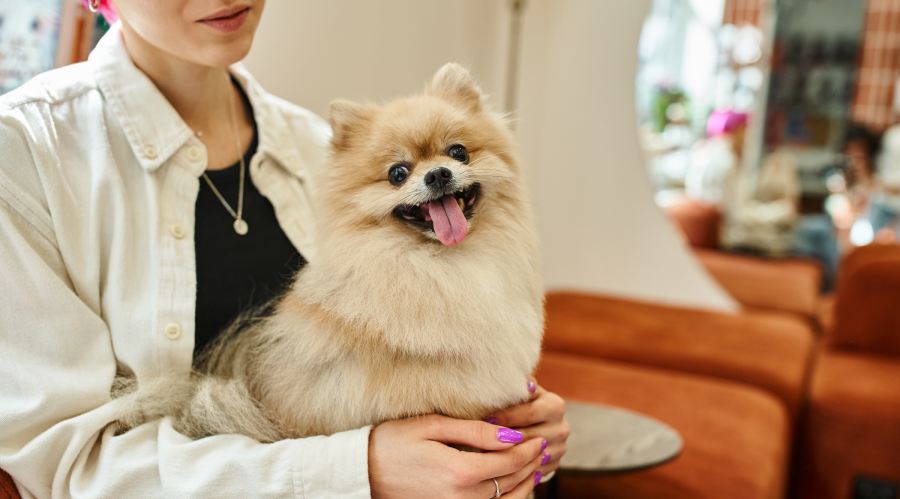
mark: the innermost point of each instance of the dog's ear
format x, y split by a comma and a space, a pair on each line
348, 120
454, 82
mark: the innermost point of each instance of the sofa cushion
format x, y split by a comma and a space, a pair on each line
789, 285
768, 351
736, 437
852, 426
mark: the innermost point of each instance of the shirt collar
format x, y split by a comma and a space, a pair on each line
274, 139
154, 129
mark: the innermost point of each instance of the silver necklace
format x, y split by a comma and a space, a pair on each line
240, 225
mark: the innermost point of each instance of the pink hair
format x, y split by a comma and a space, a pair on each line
106, 10
722, 122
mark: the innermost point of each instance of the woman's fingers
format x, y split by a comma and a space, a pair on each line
410, 458
501, 463
509, 482
557, 433
546, 406
476, 434
532, 389
523, 490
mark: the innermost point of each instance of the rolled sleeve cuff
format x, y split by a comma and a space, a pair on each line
333, 466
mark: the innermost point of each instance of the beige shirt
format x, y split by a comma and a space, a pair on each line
98, 180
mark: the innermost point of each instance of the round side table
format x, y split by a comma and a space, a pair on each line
607, 440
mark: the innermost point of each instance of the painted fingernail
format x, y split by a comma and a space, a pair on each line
491, 420
537, 478
508, 436
532, 386
544, 444
545, 459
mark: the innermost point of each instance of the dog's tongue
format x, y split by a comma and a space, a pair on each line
450, 225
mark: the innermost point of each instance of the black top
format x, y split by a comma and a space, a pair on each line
235, 272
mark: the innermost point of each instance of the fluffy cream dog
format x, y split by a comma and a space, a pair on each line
425, 298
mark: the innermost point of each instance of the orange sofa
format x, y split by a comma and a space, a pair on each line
851, 430
732, 385
736, 437
769, 352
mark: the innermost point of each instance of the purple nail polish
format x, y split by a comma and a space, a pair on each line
544, 444
537, 478
508, 436
491, 420
532, 386
545, 459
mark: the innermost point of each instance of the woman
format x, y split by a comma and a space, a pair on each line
135, 190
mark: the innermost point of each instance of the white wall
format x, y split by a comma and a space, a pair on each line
311, 51
578, 128
600, 229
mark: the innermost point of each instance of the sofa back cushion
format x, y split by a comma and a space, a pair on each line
867, 307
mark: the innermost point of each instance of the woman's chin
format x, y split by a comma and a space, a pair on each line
224, 54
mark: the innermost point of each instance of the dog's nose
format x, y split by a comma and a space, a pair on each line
437, 178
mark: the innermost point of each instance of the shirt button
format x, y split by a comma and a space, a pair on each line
193, 154
150, 151
177, 231
172, 331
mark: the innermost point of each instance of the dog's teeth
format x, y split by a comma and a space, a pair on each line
461, 203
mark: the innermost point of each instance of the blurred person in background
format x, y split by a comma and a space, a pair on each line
873, 184
715, 161
758, 209
764, 209
860, 150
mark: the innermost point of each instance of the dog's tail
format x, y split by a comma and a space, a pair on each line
212, 400
199, 405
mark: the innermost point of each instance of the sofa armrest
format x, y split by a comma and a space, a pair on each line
771, 352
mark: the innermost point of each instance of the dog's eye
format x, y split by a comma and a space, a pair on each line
398, 173
459, 153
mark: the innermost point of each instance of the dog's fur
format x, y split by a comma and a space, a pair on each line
387, 322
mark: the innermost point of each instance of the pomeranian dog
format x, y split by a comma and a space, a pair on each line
426, 296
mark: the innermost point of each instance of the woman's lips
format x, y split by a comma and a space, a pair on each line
229, 22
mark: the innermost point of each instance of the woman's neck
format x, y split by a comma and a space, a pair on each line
200, 94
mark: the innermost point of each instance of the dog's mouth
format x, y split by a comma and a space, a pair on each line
447, 216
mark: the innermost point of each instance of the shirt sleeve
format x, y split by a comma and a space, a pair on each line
57, 364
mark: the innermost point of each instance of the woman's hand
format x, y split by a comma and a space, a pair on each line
542, 417
413, 458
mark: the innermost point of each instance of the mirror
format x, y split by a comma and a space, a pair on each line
762, 121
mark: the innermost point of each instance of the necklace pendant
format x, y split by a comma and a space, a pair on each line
241, 227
